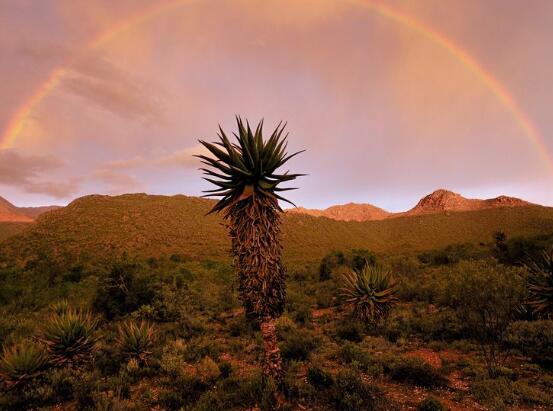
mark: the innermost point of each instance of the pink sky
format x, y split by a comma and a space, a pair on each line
386, 113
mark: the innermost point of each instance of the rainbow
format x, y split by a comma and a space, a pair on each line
18, 121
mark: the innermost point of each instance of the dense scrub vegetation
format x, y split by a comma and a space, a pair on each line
169, 332
143, 225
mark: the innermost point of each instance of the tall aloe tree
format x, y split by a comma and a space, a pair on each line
246, 177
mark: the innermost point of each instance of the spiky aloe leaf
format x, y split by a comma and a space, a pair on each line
371, 291
540, 284
248, 167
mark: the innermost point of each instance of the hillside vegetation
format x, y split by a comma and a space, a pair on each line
8, 230
149, 226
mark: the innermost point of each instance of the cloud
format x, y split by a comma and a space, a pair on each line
118, 182
92, 76
181, 158
96, 79
53, 189
22, 171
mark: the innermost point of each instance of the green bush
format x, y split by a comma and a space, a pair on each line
431, 404
297, 344
350, 329
527, 393
486, 298
319, 378
354, 259
350, 393
452, 254
351, 353
123, 290
417, 372
233, 393
495, 393
533, 339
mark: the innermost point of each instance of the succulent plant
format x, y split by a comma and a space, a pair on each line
540, 284
135, 340
70, 337
371, 291
22, 362
246, 177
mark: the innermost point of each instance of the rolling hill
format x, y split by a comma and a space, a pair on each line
437, 202
100, 226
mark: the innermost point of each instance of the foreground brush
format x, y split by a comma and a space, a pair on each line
248, 184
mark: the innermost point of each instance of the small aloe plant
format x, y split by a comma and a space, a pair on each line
371, 291
540, 285
70, 337
135, 340
22, 362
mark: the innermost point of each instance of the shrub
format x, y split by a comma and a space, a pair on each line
298, 344
529, 394
135, 340
533, 339
225, 368
417, 372
208, 370
122, 290
329, 263
371, 291
352, 354
22, 363
486, 298
70, 337
355, 260
319, 378
233, 393
302, 314
350, 393
495, 393
431, 404
350, 329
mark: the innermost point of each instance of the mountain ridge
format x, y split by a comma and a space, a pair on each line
439, 201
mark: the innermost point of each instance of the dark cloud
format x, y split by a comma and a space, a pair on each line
26, 172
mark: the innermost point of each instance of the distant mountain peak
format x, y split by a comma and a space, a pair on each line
444, 200
12, 214
346, 212
439, 201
